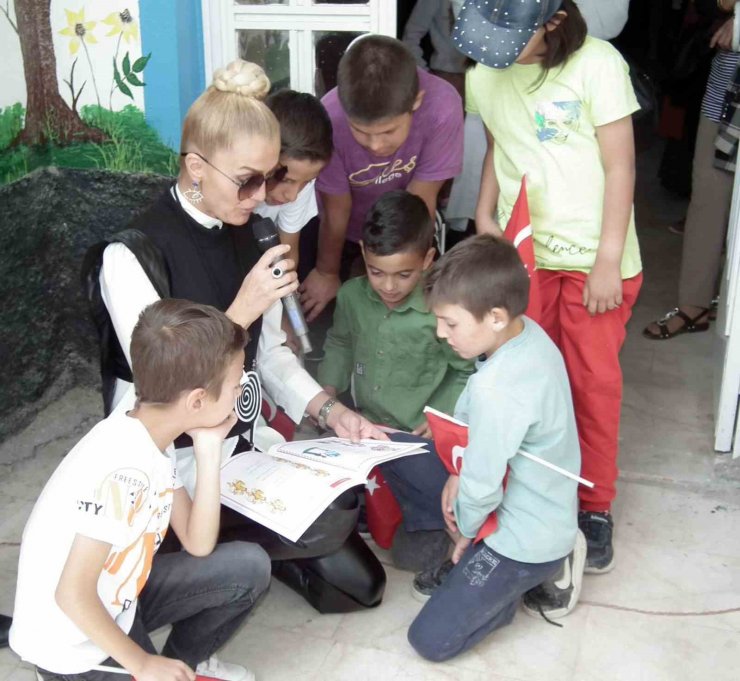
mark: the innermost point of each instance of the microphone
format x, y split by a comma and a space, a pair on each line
267, 237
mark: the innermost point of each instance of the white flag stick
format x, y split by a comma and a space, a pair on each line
557, 469
532, 457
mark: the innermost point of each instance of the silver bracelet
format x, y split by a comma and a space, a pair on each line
324, 412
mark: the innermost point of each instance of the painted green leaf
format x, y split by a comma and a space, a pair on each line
126, 65
140, 63
119, 82
134, 79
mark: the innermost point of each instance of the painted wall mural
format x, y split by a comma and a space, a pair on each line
74, 76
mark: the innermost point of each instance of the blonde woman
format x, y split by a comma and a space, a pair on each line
196, 243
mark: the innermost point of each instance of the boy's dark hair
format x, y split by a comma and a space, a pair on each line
479, 274
377, 79
398, 221
305, 126
563, 41
178, 345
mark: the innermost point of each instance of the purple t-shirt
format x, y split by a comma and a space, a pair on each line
432, 151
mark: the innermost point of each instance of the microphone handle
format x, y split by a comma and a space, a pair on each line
292, 305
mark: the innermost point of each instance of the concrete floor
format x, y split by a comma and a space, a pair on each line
669, 611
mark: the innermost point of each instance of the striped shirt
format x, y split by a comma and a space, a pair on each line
720, 77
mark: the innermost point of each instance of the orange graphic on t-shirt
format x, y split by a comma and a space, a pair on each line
141, 550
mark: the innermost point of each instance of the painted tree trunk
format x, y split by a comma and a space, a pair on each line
48, 117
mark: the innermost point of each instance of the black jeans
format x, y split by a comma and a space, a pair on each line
204, 599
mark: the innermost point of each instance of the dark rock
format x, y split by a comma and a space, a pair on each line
47, 221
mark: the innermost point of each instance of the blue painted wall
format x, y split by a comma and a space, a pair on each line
172, 30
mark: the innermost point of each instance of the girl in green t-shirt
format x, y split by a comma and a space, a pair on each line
557, 108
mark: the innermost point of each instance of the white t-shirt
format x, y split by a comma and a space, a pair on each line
292, 217
114, 486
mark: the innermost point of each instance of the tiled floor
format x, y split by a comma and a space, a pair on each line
669, 611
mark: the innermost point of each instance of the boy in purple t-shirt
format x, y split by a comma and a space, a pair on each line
395, 127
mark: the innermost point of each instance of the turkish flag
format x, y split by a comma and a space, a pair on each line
383, 512
450, 439
519, 232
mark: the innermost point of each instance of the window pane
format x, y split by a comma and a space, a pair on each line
329, 46
269, 49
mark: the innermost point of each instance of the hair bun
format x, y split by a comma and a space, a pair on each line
243, 78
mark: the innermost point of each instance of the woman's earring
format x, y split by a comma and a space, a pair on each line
194, 194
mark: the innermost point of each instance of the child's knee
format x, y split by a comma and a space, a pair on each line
246, 565
427, 639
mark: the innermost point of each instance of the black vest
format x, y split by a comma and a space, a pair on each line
182, 259
203, 265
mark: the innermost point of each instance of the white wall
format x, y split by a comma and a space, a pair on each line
101, 54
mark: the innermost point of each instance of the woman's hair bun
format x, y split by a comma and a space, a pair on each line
242, 77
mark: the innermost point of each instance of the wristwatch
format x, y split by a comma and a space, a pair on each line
324, 412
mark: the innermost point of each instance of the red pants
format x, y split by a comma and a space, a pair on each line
590, 348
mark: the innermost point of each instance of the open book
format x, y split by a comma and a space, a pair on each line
288, 487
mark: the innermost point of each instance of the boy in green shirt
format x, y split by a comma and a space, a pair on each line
383, 344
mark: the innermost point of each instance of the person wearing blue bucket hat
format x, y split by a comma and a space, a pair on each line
557, 107
495, 32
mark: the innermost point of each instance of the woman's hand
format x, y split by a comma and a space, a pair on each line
449, 494
603, 288
260, 289
347, 423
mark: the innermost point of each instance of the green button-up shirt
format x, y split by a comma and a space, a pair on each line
391, 358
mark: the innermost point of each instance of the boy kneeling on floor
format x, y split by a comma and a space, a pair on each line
90, 586
519, 399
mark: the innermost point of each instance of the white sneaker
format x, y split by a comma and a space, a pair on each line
224, 671
557, 597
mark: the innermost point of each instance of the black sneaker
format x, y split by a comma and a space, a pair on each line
598, 528
558, 596
426, 582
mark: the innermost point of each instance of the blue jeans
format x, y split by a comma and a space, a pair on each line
483, 591
204, 599
417, 482
480, 595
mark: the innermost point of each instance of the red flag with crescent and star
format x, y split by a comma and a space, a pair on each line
383, 512
450, 439
519, 232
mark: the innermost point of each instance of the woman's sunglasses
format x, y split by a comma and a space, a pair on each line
252, 184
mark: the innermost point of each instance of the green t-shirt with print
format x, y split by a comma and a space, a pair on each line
548, 133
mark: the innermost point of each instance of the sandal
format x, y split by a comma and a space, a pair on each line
689, 325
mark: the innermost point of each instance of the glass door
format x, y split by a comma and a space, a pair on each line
297, 42
727, 348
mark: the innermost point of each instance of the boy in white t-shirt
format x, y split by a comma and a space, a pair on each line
89, 584
305, 148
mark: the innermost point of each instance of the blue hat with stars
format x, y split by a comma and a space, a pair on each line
494, 32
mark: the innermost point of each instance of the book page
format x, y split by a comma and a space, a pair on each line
332, 453
285, 496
